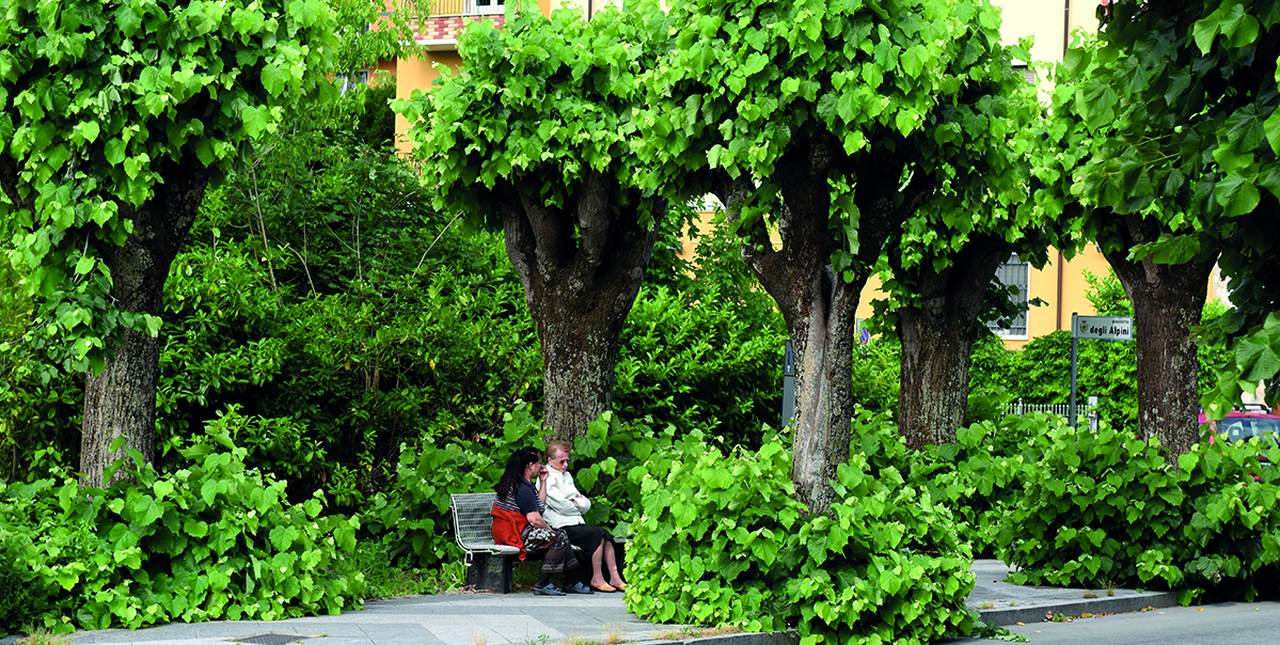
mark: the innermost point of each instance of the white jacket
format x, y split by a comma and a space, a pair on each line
565, 505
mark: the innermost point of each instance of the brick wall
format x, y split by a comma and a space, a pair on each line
447, 27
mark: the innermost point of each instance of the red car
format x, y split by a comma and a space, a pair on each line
1243, 426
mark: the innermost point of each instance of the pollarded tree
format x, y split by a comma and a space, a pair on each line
115, 118
536, 134
808, 118
1176, 108
941, 263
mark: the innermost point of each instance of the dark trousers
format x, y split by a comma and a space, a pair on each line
587, 538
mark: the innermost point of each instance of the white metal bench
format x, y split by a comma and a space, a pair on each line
473, 529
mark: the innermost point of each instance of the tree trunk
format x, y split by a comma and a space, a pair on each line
581, 266
120, 401
822, 338
937, 335
579, 349
817, 301
1168, 301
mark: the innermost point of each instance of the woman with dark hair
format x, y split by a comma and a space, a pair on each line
518, 522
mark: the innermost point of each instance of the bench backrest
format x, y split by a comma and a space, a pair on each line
472, 521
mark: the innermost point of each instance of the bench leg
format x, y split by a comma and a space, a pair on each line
490, 572
508, 564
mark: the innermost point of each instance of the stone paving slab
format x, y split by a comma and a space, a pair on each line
525, 619
1001, 603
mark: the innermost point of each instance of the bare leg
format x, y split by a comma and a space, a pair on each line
611, 560
597, 576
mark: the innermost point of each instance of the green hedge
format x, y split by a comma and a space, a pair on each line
721, 540
213, 540
1107, 509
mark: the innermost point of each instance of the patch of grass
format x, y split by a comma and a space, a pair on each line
41, 637
1089, 595
612, 635
1001, 634
695, 632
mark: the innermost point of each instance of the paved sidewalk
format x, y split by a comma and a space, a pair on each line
1001, 603
526, 619
447, 619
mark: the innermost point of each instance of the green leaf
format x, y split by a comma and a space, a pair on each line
162, 488
257, 120
195, 527
1272, 128
1237, 195
1206, 29
114, 151
87, 131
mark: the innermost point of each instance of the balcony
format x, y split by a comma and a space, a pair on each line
442, 8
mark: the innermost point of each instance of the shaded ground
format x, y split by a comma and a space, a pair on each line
526, 619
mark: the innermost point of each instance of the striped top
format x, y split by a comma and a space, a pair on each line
521, 499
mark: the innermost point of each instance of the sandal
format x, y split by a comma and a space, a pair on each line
604, 588
547, 590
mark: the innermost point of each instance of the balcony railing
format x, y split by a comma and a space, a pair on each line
465, 7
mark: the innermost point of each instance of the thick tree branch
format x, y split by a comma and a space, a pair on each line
758, 249
548, 232
519, 238
593, 216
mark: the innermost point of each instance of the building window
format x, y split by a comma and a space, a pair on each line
1016, 275
349, 82
1028, 74
486, 7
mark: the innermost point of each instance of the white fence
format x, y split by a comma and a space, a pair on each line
1086, 411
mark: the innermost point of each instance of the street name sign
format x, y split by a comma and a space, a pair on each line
1104, 327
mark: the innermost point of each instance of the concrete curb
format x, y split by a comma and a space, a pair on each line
1115, 605
994, 617
753, 638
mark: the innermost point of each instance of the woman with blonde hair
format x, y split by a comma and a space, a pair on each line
565, 508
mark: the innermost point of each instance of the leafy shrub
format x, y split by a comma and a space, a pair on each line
877, 364
978, 476
1090, 510
413, 517
39, 403
210, 541
1108, 509
721, 540
885, 566
714, 538
1229, 543
17, 598
691, 359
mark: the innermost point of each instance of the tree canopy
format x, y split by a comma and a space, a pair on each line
105, 102
537, 134
1171, 113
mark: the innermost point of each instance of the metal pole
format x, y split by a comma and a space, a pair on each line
1071, 414
788, 384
